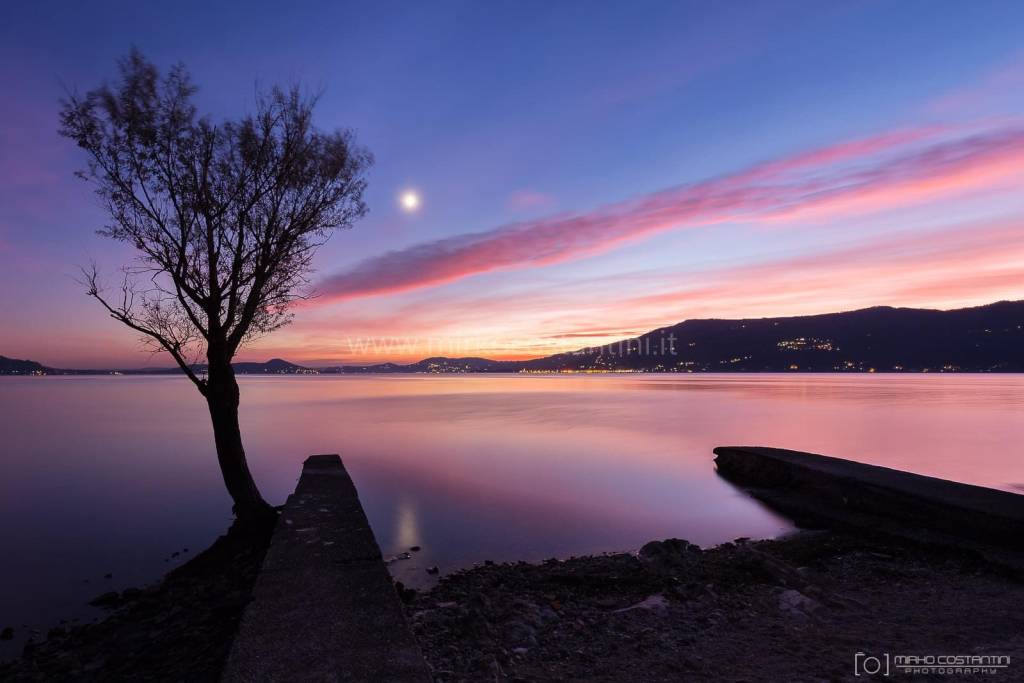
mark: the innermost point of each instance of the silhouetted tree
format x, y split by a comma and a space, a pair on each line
226, 218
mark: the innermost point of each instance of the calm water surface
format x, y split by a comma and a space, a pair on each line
113, 474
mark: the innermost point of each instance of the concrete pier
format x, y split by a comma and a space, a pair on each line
816, 489
324, 607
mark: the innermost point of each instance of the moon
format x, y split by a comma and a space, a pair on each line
409, 201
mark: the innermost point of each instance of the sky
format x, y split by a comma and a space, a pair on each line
587, 170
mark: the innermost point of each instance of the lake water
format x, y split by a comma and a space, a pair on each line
114, 474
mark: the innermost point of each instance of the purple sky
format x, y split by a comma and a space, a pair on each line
587, 170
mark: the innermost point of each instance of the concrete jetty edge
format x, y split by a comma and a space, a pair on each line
324, 607
819, 489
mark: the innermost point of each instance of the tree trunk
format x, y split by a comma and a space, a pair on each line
222, 397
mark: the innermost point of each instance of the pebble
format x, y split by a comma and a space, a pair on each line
653, 602
796, 604
396, 558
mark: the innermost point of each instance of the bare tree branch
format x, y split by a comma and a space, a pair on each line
226, 217
156, 328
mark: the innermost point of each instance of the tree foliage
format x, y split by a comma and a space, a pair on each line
226, 217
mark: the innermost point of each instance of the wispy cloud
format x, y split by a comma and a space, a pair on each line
529, 200
850, 178
960, 264
999, 86
964, 265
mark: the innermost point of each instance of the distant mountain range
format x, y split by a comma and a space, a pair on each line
12, 366
880, 339
275, 366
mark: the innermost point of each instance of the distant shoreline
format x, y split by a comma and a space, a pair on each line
982, 339
314, 372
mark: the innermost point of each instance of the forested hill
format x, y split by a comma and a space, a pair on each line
880, 339
12, 366
982, 339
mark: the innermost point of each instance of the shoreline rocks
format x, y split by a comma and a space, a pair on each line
789, 609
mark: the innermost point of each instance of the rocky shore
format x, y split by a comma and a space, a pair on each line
177, 630
795, 609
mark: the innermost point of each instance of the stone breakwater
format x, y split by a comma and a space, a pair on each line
312, 595
324, 607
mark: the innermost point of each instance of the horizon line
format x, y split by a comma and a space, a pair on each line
328, 365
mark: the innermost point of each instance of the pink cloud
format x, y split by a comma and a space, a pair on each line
997, 86
526, 200
850, 178
841, 152
962, 265
590, 333
965, 265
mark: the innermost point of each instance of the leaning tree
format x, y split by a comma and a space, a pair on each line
225, 217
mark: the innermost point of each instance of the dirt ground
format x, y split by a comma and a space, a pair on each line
794, 609
797, 609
